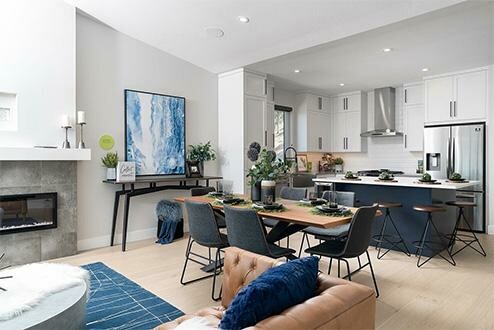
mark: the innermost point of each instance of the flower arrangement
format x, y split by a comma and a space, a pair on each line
266, 166
202, 152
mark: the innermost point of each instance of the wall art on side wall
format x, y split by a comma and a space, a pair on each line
155, 133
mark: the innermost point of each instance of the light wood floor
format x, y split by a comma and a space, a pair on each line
436, 296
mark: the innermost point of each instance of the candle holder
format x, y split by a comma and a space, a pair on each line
66, 143
82, 145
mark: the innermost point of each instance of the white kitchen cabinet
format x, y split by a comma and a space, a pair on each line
413, 124
457, 97
319, 131
255, 84
347, 132
255, 117
470, 95
313, 126
413, 94
349, 102
269, 125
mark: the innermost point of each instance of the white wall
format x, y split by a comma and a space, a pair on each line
37, 62
107, 63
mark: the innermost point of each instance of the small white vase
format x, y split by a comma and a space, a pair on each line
111, 173
338, 168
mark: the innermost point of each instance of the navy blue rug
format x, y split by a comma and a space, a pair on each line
115, 302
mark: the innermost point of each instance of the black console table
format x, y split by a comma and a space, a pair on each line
129, 190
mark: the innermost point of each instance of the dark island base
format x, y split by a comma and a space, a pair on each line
410, 223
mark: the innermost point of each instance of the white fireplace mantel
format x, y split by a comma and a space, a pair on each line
26, 154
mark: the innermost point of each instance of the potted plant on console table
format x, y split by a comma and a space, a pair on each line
198, 154
265, 171
110, 161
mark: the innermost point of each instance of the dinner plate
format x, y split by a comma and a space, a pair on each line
328, 209
319, 201
430, 181
274, 206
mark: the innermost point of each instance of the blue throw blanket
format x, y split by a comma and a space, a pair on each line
170, 213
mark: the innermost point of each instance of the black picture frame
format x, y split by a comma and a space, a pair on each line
177, 175
193, 169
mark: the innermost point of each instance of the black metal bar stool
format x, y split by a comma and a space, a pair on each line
428, 229
468, 238
395, 240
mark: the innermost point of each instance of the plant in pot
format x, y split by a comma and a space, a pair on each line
200, 153
265, 171
338, 165
110, 161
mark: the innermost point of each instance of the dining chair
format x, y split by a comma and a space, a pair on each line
201, 191
357, 243
246, 231
290, 193
204, 231
345, 198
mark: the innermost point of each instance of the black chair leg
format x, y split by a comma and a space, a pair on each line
330, 263
339, 268
217, 265
372, 273
305, 237
348, 269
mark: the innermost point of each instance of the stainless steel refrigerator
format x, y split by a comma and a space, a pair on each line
459, 148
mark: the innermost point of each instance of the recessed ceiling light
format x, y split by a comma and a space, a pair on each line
243, 19
214, 32
296, 71
425, 69
387, 50
341, 84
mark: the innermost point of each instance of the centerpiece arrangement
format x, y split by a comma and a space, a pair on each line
264, 172
349, 175
456, 177
197, 155
386, 176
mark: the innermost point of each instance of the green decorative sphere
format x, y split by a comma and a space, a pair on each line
349, 175
385, 176
455, 177
426, 177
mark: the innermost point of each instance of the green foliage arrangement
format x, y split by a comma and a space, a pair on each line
110, 160
455, 177
201, 152
338, 161
426, 177
267, 167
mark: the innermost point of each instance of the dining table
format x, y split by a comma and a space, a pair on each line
294, 216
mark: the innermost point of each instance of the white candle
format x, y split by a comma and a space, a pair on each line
65, 121
81, 117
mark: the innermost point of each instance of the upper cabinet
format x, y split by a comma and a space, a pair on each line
413, 94
456, 97
349, 102
313, 124
255, 84
413, 116
350, 119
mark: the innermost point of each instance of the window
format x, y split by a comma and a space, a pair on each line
281, 129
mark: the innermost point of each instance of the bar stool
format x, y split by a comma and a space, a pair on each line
429, 227
467, 239
395, 240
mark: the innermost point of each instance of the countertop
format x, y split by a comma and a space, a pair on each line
399, 182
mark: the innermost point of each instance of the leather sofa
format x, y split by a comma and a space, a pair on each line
337, 303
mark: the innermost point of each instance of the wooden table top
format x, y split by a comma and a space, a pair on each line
293, 213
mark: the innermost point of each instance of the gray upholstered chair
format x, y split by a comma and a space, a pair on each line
345, 198
357, 243
201, 191
246, 231
294, 194
203, 231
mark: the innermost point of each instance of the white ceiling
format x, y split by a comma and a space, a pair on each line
277, 27
455, 38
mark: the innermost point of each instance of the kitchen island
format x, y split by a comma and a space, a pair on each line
409, 192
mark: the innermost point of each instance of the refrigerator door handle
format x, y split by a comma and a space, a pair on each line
448, 169
453, 162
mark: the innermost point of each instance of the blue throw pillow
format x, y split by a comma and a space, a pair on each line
272, 292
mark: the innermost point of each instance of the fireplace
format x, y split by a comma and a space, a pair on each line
27, 212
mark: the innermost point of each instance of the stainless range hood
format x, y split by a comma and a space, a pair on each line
384, 113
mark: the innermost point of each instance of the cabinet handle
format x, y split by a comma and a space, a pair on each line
346, 143
343, 143
405, 141
406, 96
265, 138
343, 103
346, 103
454, 108
273, 140
319, 103
272, 92
450, 108
319, 142
265, 87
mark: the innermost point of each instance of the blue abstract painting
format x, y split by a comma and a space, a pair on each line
155, 133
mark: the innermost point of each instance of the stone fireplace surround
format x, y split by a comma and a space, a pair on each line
22, 177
